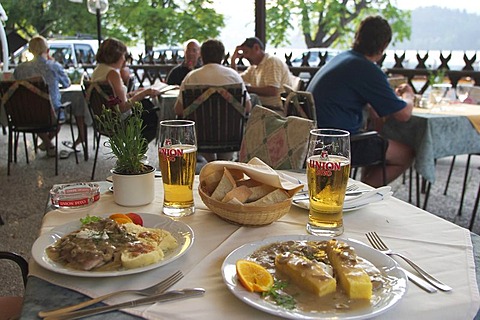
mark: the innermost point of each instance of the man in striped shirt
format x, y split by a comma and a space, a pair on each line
266, 75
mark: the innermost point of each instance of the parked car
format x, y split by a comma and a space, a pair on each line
314, 56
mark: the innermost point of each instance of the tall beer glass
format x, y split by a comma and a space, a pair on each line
328, 169
177, 154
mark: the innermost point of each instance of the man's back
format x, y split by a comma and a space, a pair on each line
52, 73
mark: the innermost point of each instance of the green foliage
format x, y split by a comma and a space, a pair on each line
436, 77
326, 23
155, 22
126, 141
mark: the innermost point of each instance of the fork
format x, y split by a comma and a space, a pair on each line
155, 289
378, 244
352, 187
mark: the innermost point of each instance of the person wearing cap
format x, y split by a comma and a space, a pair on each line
215, 74
192, 61
352, 81
266, 75
53, 74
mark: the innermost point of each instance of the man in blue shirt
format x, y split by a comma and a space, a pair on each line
53, 75
351, 82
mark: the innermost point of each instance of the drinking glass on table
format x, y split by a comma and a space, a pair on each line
177, 153
439, 92
328, 169
462, 91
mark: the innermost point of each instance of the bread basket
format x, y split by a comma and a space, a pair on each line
246, 215
270, 204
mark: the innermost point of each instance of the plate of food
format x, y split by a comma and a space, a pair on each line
309, 276
99, 246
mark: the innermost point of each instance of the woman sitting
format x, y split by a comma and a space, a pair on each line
111, 59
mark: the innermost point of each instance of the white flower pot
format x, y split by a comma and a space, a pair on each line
132, 190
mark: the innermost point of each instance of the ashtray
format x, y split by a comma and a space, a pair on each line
74, 195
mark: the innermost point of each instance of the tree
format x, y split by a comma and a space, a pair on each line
326, 23
165, 22
154, 21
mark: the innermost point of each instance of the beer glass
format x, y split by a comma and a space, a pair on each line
177, 154
328, 169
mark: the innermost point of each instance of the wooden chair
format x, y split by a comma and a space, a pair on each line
28, 109
11, 306
219, 115
97, 94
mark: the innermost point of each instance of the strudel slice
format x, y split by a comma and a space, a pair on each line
305, 273
352, 277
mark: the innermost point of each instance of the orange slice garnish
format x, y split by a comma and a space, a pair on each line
120, 218
253, 276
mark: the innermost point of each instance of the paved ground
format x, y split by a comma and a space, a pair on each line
24, 193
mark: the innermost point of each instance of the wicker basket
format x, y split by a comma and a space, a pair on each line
246, 215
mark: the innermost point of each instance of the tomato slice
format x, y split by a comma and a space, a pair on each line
135, 218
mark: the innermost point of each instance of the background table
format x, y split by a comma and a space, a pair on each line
434, 136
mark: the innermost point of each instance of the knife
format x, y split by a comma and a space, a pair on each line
162, 297
420, 282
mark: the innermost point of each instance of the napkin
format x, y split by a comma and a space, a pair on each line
255, 169
351, 203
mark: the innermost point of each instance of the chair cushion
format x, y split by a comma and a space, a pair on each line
281, 142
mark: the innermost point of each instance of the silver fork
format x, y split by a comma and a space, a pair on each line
155, 289
352, 187
378, 244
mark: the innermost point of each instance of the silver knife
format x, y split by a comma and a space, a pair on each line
162, 297
420, 282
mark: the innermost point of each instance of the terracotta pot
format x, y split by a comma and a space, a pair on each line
132, 190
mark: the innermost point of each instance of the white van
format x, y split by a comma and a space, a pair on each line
68, 52
73, 52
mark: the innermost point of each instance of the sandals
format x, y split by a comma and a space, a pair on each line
69, 145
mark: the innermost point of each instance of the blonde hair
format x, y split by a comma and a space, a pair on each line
38, 45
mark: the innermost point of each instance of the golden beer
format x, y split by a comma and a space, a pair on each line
177, 163
327, 181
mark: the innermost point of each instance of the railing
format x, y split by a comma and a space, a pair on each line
148, 69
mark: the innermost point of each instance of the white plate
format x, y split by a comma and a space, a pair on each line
384, 263
179, 230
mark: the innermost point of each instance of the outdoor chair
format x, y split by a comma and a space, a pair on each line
11, 306
219, 115
28, 109
299, 103
280, 142
368, 149
97, 95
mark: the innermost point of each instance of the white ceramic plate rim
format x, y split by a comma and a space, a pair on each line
179, 230
380, 260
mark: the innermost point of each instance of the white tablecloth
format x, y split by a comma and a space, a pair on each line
441, 247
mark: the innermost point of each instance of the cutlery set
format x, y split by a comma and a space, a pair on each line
155, 293
378, 244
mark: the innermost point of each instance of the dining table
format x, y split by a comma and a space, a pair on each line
449, 252
443, 130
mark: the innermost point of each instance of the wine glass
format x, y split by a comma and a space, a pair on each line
439, 91
462, 91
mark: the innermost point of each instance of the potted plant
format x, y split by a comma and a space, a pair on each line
133, 181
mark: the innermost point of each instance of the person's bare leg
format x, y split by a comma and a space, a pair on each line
80, 120
47, 140
399, 158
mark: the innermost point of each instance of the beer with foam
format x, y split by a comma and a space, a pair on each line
177, 154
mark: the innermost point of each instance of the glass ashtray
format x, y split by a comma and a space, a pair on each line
74, 195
